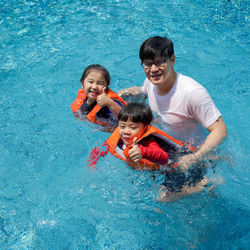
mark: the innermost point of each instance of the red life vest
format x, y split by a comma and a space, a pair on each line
170, 143
91, 116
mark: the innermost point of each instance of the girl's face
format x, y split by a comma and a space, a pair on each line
93, 85
128, 130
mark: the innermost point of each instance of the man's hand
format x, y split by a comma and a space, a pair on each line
185, 161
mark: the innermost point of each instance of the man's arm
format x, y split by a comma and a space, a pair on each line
217, 133
130, 91
133, 94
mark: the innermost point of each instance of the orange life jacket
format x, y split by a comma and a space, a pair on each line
91, 116
171, 144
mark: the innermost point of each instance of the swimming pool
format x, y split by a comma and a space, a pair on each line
49, 199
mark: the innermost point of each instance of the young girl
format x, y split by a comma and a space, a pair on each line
145, 147
95, 100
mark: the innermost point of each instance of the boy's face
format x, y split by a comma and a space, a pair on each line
93, 85
128, 130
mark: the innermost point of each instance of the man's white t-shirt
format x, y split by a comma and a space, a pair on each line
184, 107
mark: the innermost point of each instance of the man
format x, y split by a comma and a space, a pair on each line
180, 102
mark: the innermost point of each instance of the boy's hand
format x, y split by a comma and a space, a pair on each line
135, 152
103, 100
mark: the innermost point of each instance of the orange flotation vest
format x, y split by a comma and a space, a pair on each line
91, 116
165, 141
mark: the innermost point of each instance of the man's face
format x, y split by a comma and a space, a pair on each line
159, 69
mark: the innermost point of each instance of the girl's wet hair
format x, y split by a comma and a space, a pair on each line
136, 112
96, 67
156, 46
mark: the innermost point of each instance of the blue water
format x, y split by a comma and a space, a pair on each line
49, 199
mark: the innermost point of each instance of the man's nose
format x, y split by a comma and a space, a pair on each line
154, 67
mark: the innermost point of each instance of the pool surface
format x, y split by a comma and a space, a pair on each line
49, 198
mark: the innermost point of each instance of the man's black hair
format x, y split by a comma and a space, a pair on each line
156, 46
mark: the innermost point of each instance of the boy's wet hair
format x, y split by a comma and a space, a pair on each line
96, 67
136, 112
156, 46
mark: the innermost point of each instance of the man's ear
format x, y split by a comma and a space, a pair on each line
172, 58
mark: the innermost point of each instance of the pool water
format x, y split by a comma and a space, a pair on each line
49, 198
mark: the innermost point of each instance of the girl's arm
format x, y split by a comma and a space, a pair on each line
114, 107
103, 100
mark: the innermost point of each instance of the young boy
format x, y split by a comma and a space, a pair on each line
136, 141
